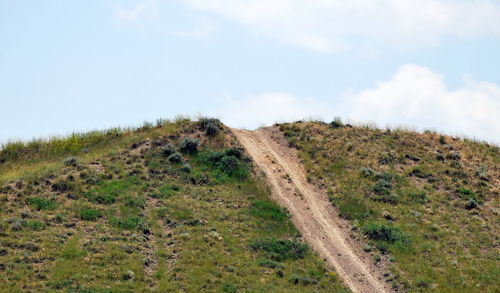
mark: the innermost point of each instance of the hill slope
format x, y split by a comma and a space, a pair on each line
427, 203
179, 206
147, 210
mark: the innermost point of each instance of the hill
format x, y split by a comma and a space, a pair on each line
194, 206
426, 203
171, 207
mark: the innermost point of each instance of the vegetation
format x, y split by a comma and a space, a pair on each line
168, 150
189, 145
280, 250
174, 206
89, 214
40, 203
211, 126
123, 217
424, 204
269, 210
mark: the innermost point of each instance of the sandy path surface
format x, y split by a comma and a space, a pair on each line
311, 211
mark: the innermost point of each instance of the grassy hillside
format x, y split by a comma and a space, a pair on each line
425, 202
171, 207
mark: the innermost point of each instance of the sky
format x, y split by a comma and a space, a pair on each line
82, 65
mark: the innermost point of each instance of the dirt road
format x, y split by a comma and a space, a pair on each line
311, 212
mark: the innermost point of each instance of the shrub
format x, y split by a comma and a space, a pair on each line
471, 204
211, 129
420, 172
189, 145
382, 246
88, 214
139, 202
17, 224
238, 153
128, 275
385, 176
59, 218
229, 162
129, 223
482, 173
205, 122
229, 288
186, 167
439, 157
453, 156
412, 157
40, 203
104, 198
383, 232
367, 172
268, 210
280, 250
382, 187
36, 225
213, 157
175, 158
386, 158
466, 194
167, 150
419, 196
391, 198
295, 279
71, 161
336, 123
63, 186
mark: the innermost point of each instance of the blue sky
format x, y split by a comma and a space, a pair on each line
80, 65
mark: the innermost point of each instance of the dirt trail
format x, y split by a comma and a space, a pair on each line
311, 212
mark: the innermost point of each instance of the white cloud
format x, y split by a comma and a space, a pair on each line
140, 8
415, 96
331, 25
268, 108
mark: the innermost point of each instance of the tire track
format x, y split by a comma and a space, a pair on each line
311, 211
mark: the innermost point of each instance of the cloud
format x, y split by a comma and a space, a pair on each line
141, 8
268, 108
333, 25
414, 96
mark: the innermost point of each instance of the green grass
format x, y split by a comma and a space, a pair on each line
354, 208
280, 250
412, 200
136, 224
89, 214
41, 156
128, 223
40, 203
268, 210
